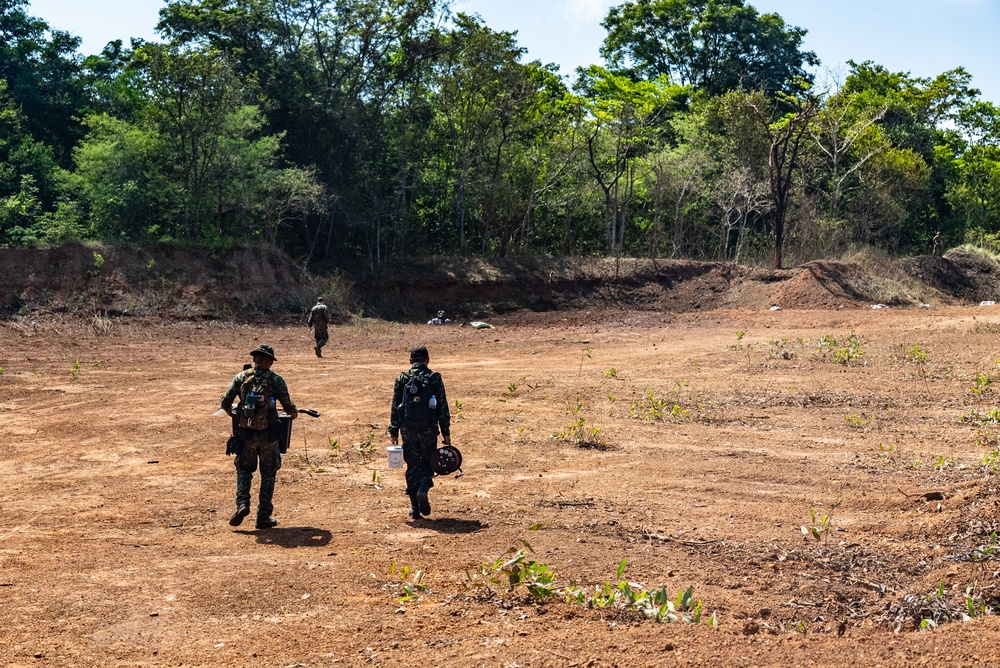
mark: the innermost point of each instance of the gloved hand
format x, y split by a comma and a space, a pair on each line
294, 414
446, 440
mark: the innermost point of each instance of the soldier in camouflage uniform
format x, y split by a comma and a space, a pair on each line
419, 444
259, 433
319, 318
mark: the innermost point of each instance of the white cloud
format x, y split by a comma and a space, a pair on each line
585, 12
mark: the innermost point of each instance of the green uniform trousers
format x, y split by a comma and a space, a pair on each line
257, 447
418, 452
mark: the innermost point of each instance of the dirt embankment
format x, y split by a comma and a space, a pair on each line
197, 283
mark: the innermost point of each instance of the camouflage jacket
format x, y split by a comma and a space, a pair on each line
277, 384
319, 316
443, 414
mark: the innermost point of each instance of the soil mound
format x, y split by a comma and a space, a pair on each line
253, 283
161, 281
962, 274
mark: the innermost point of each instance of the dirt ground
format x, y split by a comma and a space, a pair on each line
819, 510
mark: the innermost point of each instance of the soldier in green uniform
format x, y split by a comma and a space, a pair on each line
259, 390
420, 412
319, 319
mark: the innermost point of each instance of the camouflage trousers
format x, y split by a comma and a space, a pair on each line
257, 447
418, 452
321, 334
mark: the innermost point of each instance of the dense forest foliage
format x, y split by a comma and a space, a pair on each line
368, 129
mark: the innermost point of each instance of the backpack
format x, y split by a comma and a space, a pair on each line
417, 411
256, 401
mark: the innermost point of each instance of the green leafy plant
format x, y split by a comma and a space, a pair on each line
989, 551
943, 463
611, 373
992, 416
74, 370
412, 582
916, 355
743, 348
820, 524
366, 448
586, 356
888, 452
457, 412
981, 384
991, 460
858, 421
845, 351
654, 409
516, 569
938, 608
655, 603
581, 434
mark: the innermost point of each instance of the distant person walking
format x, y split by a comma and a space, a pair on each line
936, 250
419, 411
259, 389
319, 319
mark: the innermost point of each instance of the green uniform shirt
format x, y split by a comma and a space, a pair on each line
319, 316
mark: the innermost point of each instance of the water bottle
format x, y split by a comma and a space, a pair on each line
250, 405
433, 403
272, 408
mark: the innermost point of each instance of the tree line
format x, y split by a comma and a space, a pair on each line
368, 129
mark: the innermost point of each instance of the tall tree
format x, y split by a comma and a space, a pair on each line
917, 112
712, 45
42, 71
786, 133
625, 119
330, 74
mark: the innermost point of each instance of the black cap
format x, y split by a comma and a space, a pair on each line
264, 349
419, 353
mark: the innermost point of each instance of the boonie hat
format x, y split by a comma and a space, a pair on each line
264, 349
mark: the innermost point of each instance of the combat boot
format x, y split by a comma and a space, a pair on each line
266, 523
242, 510
414, 508
422, 503
319, 353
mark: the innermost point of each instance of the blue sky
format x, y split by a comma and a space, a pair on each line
923, 37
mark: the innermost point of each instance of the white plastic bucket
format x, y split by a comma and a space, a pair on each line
395, 454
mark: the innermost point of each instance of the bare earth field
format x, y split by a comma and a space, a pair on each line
699, 459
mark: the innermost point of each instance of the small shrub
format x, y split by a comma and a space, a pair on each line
916, 355
821, 524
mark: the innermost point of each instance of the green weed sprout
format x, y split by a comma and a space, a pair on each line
821, 524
